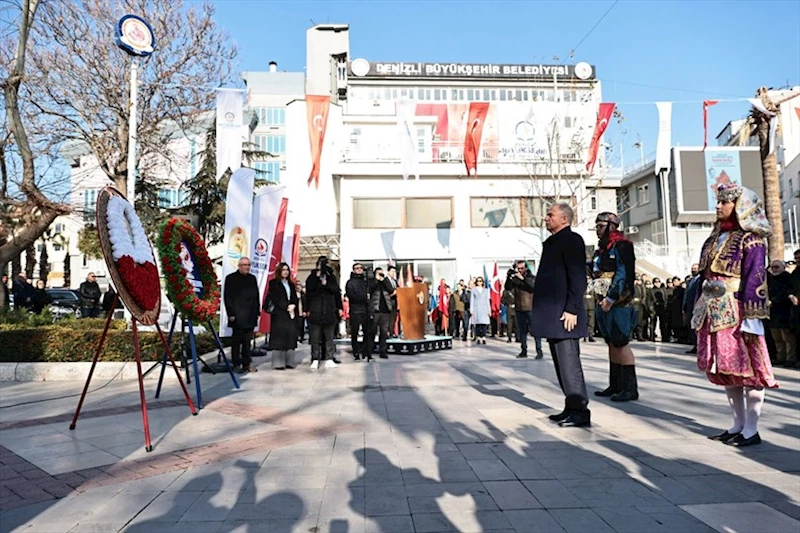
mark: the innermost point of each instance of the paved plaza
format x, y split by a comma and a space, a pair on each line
457, 440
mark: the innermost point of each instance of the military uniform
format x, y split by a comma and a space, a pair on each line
639, 297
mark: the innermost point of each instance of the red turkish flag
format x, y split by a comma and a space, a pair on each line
706, 105
497, 289
274, 259
797, 110
295, 252
603, 117
317, 110
472, 140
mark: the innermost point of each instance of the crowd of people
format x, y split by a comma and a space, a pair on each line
33, 296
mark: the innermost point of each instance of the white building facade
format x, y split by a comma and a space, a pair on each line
447, 224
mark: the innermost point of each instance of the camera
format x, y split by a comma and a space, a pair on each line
511, 272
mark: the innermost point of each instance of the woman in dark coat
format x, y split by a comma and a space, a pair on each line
281, 304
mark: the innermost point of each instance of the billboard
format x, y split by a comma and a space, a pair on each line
722, 166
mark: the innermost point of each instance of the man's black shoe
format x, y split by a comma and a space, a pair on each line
575, 421
539, 355
591, 339
337, 361
522, 355
563, 415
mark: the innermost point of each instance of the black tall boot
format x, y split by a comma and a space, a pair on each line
630, 389
614, 380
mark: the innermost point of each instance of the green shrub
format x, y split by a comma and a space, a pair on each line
74, 342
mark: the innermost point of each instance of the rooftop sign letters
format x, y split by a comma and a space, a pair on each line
364, 68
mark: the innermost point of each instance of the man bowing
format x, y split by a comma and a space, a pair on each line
558, 313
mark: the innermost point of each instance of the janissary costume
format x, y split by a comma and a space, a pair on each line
733, 302
613, 274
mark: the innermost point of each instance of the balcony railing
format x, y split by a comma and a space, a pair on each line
450, 152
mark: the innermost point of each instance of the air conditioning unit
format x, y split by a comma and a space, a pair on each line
631, 230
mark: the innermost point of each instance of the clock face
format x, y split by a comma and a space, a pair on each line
360, 67
583, 71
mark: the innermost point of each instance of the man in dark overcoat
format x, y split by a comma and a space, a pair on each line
324, 310
558, 314
242, 305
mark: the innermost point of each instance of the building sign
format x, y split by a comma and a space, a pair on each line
722, 166
366, 69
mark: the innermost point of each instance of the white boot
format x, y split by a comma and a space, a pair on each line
314, 364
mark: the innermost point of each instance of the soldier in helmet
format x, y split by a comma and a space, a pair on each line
613, 273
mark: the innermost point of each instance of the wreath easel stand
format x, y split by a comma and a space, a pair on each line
147, 317
183, 253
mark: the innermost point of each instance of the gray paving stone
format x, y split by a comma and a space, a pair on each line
491, 470
511, 495
669, 520
580, 521
553, 494
386, 500
613, 492
752, 516
533, 521
390, 524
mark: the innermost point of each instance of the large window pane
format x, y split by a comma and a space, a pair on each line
377, 213
429, 212
495, 212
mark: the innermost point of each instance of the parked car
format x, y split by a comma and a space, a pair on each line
66, 298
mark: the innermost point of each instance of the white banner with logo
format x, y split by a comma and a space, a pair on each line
266, 207
238, 221
664, 137
408, 144
526, 131
229, 129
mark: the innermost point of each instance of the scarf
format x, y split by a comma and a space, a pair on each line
728, 225
611, 238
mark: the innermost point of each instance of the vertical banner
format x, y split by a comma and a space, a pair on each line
266, 209
497, 292
274, 258
238, 223
229, 130
722, 166
664, 136
317, 112
472, 140
603, 117
706, 105
288, 241
408, 145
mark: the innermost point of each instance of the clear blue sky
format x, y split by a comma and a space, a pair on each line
643, 50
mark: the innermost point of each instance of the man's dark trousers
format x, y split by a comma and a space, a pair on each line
567, 360
317, 334
523, 328
240, 348
360, 320
381, 322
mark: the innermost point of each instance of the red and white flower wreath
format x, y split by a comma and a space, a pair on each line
132, 253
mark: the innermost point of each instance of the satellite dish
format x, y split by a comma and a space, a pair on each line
360, 67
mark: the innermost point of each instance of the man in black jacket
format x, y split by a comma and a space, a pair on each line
324, 312
242, 305
381, 308
521, 280
90, 296
356, 292
779, 284
558, 313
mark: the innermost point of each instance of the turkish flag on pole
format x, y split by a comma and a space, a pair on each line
494, 296
603, 117
295, 252
706, 105
317, 110
472, 140
275, 258
443, 305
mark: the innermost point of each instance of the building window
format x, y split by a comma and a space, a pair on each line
59, 228
274, 144
570, 96
89, 205
429, 212
169, 198
495, 212
569, 122
268, 170
642, 195
271, 116
421, 140
593, 203
57, 247
377, 213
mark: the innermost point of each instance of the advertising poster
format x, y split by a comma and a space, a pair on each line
722, 166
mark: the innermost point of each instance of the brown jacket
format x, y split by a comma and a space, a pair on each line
523, 291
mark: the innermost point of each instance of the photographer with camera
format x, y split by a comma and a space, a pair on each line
324, 311
520, 280
357, 294
381, 308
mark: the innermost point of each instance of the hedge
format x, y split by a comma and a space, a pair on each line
77, 341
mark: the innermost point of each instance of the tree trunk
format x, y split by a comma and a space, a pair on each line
772, 183
67, 270
26, 237
30, 260
44, 264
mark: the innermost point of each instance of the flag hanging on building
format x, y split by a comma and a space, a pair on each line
497, 292
797, 111
603, 117
408, 144
275, 257
230, 129
238, 224
472, 140
317, 112
664, 137
706, 105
